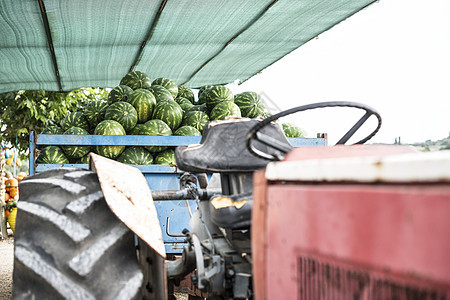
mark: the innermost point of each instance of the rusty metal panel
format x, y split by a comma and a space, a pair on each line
129, 197
391, 233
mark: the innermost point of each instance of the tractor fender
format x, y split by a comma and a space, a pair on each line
129, 197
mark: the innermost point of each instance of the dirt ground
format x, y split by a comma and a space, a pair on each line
6, 267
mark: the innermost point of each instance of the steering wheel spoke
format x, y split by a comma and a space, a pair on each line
255, 135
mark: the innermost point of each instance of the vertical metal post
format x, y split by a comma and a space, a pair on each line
31, 158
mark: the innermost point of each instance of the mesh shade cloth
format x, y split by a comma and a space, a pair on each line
193, 42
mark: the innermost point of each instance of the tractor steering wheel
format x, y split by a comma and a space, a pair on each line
255, 135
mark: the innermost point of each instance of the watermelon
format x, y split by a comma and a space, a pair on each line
292, 131
187, 131
52, 129
184, 103
109, 127
201, 99
202, 93
124, 113
73, 152
216, 95
95, 112
51, 155
196, 119
169, 112
160, 93
186, 92
136, 156
167, 157
170, 85
119, 93
136, 129
155, 127
83, 160
186, 107
144, 102
225, 109
266, 114
73, 119
250, 104
201, 107
181, 100
136, 80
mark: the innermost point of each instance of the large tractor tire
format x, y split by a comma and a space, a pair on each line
68, 244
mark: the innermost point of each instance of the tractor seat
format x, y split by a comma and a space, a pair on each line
231, 212
223, 149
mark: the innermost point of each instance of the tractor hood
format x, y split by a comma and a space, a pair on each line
63, 45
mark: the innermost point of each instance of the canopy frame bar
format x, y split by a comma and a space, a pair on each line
149, 35
252, 21
50, 42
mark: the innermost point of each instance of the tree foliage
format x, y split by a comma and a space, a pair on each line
32, 110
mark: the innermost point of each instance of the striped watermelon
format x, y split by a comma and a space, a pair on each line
201, 99
292, 131
144, 102
74, 152
184, 103
119, 93
167, 157
160, 93
216, 95
185, 92
52, 129
109, 127
95, 112
250, 104
136, 156
51, 155
201, 107
170, 85
196, 119
136, 129
83, 160
169, 112
136, 80
225, 109
181, 100
266, 114
155, 127
202, 93
186, 107
124, 113
187, 131
73, 119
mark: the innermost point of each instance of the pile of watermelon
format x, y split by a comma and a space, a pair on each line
139, 106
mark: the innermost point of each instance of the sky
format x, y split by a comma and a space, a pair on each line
393, 56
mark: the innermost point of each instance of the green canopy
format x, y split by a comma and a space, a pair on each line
62, 45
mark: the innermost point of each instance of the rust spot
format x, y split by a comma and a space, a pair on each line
378, 164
